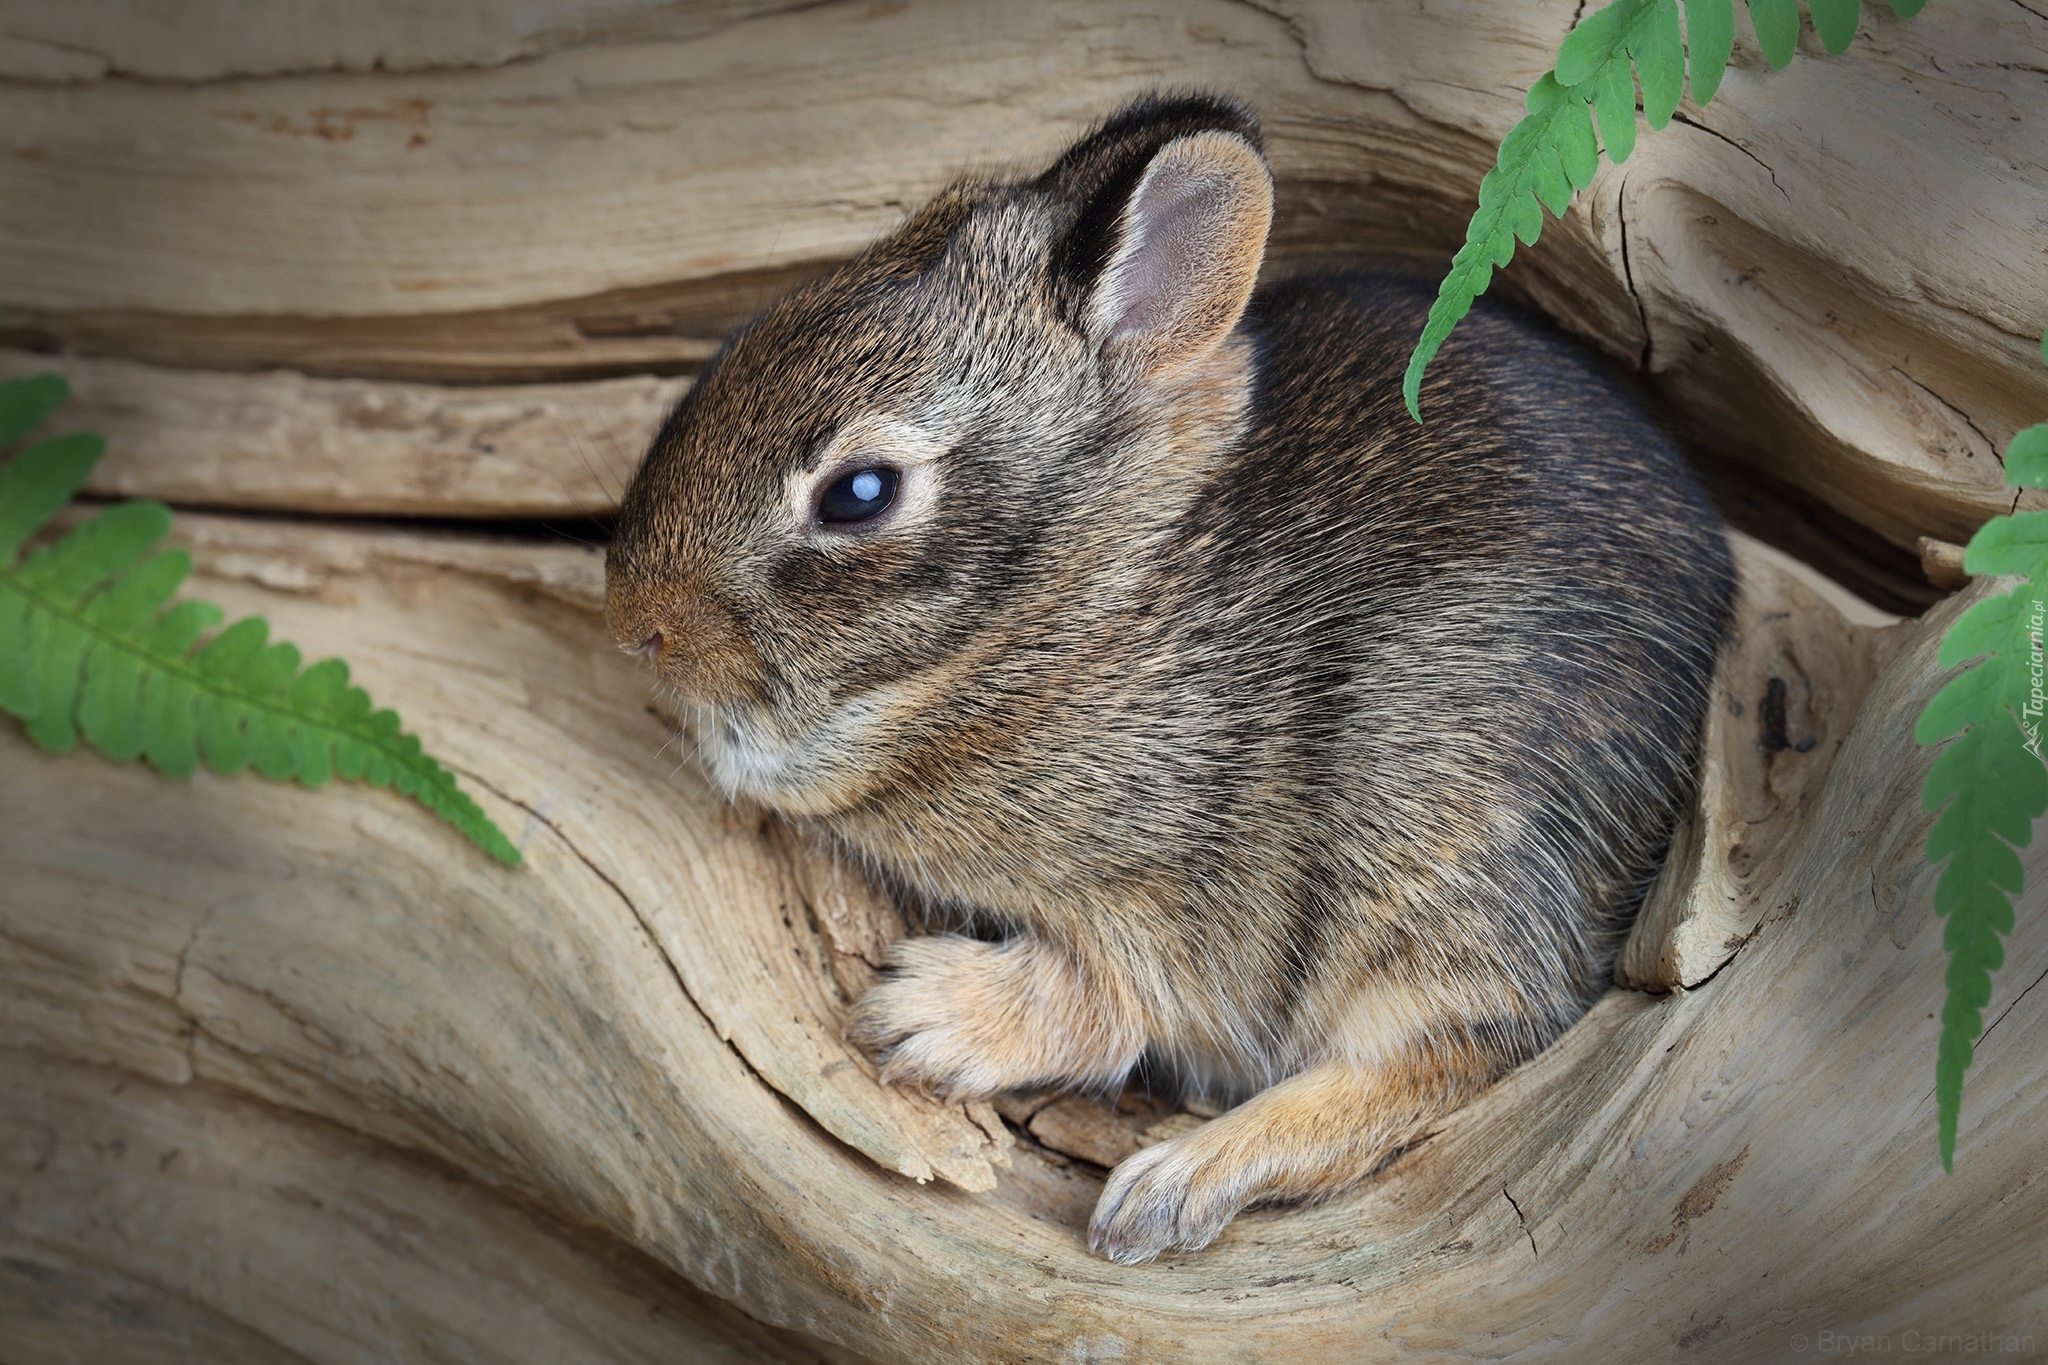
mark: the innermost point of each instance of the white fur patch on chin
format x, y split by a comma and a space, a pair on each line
747, 754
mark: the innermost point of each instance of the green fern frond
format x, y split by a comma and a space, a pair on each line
1990, 784
1551, 153
91, 646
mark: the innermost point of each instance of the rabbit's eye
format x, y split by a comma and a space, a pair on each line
857, 496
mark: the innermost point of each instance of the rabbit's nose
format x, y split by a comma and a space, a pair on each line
697, 646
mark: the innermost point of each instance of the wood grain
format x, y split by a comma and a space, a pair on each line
576, 189
615, 1036
288, 1075
1795, 669
281, 441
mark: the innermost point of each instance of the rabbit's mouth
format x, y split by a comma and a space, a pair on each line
827, 766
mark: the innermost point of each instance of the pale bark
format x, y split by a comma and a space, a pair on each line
1852, 244
282, 441
636, 1034
300, 1075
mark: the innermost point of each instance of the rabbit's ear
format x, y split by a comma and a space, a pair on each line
1188, 246
1171, 200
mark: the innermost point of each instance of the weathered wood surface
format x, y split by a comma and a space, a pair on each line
282, 441
1789, 686
300, 1076
584, 189
631, 1045
250, 1233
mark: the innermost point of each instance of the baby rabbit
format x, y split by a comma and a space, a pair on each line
1311, 756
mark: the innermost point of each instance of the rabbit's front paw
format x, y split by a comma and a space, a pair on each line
964, 1019
919, 1022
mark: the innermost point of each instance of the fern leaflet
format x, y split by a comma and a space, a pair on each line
88, 647
1551, 153
1989, 784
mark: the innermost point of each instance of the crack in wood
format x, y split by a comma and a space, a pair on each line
653, 939
1628, 277
2010, 1008
1989, 444
1524, 1222
1712, 132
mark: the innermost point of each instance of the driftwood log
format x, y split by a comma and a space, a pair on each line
299, 1075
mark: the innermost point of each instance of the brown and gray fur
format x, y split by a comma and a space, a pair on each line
1248, 729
